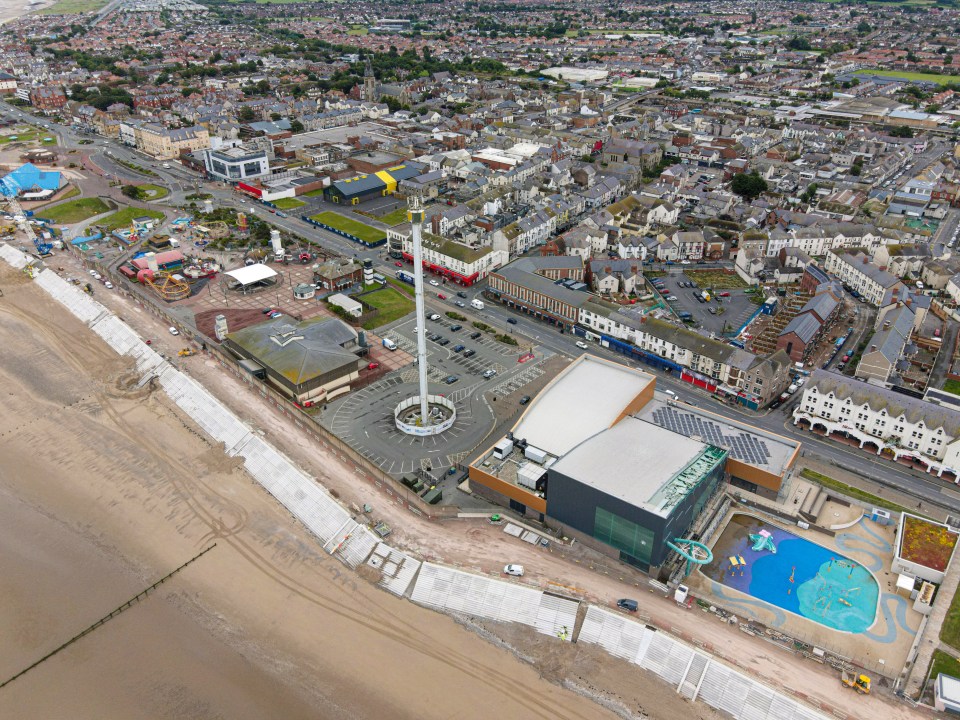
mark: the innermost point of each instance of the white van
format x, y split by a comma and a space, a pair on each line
478, 304
389, 344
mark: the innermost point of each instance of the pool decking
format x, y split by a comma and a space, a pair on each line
883, 647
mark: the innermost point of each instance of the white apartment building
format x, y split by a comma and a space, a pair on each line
857, 272
896, 425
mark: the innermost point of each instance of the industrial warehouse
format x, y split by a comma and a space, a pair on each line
628, 471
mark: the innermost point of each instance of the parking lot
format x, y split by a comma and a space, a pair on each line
365, 418
728, 312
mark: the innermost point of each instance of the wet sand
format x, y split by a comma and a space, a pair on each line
104, 489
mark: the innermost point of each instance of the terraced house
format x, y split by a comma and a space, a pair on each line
887, 422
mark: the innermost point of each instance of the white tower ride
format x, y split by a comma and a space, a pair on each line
416, 220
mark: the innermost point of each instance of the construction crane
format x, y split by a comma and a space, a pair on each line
44, 249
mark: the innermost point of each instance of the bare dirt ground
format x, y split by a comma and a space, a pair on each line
477, 546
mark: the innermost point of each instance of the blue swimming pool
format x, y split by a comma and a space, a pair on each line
799, 576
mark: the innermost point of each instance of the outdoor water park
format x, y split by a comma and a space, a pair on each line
840, 590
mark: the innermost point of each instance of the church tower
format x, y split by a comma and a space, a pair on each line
369, 83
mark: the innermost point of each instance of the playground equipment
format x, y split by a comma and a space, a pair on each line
860, 683
763, 541
695, 553
186, 352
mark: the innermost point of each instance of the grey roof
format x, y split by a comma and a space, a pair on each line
890, 342
694, 342
298, 352
517, 273
881, 398
632, 461
746, 443
823, 304
804, 326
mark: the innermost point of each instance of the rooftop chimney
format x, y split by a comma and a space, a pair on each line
435, 224
865, 260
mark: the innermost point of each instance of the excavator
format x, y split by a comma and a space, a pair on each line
860, 683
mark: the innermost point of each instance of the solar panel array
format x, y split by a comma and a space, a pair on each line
742, 445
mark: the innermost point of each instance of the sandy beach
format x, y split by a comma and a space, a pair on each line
104, 489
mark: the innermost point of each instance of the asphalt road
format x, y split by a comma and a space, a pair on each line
183, 181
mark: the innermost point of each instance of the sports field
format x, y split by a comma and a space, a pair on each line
928, 77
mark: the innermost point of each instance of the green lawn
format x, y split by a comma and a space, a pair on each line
931, 77
943, 663
852, 492
396, 217
288, 203
355, 228
314, 193
154, 192
72, 192
125, 217
393, 305
401, 286
74, 211
952, 386
66, 7
716, 279
950, 630
357, 30
21, 136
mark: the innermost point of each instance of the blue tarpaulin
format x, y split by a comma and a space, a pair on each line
29, 178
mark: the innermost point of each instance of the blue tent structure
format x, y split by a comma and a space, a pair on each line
29, 178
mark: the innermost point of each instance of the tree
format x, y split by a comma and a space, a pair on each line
902, 132
246, 114
749, 185
296, 126
863, 27
133, 192
798, 43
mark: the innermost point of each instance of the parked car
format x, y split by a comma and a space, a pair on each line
723, 294
450, 379
470, 353
461, 293
280, 213
435, 337
487, 374
515, 570
441, 296
459, 303
433, 316
458, 348
525, 399
108, 285
373, 365
173, 331
582, 345
454, 328
712, 311
627, 604
475, 335
434, 283
276, 314
841, 366
671, 298
398, 264
443, 341
267, 311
